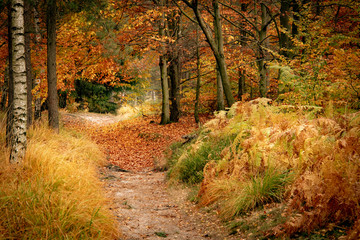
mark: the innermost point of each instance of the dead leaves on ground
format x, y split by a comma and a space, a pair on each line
133, 144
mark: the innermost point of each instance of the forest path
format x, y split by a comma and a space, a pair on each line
145, 207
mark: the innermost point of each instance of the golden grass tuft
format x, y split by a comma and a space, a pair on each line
55, 193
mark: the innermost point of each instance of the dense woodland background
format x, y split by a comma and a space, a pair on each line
188, 58
295, 52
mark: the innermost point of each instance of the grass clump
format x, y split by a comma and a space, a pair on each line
237, 197
189, 168
260, 190
55, 193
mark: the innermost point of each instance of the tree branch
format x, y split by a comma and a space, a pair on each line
188, 3
183, 12
242, 15
235, 25
188, 79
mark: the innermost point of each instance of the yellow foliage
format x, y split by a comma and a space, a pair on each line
55, 193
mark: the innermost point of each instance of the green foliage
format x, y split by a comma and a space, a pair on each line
173, 153
287, 78
189, 168
161, 234
98, 97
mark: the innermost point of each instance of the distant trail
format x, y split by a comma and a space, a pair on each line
96, 118
133, 144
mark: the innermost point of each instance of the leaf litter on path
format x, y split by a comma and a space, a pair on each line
131, 144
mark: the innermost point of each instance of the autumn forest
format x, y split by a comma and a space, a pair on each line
251, 104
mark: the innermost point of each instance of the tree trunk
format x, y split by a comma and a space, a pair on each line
165, 114
174, 26
243, 42
220, 45
174, 74
285, 42
220, 104
219, 55
53, 101
29, 75
198, 79
241, 84
262, 55
37, 102
19, 106
221, 64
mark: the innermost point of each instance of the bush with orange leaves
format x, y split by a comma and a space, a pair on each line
305, 158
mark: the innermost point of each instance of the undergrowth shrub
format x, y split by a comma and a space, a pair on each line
189, 168
55, 193
97, 97
304, 157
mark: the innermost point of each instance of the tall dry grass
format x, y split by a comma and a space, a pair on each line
55, 193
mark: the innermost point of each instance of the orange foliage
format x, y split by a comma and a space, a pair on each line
135, 144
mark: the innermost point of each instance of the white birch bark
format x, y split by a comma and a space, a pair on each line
19, 105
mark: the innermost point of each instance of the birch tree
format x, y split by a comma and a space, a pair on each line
18, 78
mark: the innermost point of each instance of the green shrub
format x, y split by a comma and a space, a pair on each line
190, 168
96, 96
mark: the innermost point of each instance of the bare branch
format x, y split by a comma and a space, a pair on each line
242, 15
235, 25
185, 14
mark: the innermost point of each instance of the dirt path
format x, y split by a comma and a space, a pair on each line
147, 208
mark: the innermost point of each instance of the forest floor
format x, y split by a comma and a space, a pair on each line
145, 206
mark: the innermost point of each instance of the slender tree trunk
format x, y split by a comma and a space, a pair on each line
219, 55
198, 79
174, 26
285, 42
29, 75
243, 42
241, 84
262, 55
221, 64
19, 106
165, 115
37, 81
174, 74
220, 104
220, 45
53, 100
